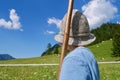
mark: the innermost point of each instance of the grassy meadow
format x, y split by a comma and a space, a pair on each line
102, 52
107, 72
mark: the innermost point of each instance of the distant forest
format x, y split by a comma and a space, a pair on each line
105, 32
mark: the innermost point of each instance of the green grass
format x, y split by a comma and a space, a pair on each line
37, 60
28, 73
107, 72
102, 52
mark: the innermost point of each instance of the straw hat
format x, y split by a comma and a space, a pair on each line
79, 30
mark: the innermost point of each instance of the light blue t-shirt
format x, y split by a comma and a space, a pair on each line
80, 64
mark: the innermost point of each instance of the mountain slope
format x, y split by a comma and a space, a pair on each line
6, 57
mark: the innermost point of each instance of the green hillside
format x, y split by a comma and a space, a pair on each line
105, 32
102, 52
36, 60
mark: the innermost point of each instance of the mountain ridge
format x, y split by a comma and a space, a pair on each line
6, 57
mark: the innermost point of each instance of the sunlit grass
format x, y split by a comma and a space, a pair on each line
102, 52
37, 60
110, 71
28, 73
107, 72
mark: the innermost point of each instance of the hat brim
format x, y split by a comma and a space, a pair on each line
76, 41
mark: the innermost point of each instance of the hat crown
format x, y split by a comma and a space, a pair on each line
79, 25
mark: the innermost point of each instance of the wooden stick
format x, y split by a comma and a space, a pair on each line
66, 35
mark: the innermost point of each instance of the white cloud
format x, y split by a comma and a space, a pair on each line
55, 21
50, 32
15, 19
13, 23
99, 12
118, 22
5, 23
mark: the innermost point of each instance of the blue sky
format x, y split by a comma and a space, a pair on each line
27, 26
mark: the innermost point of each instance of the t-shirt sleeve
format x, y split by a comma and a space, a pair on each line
74, 68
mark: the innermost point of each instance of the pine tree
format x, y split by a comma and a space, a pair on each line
56, 51
105, 32
48, 51
116, 45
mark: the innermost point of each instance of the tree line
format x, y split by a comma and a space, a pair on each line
52, 49
105, 32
